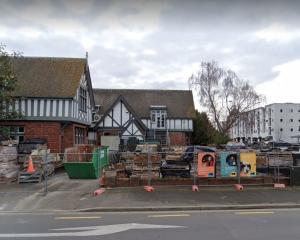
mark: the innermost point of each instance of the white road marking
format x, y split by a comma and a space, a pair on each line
169, 215
252, 213
88, 231
77, 217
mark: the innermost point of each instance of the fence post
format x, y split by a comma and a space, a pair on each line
45, 174
238, 168
99, 164
238, 186
194, 187
149, 166
149, 188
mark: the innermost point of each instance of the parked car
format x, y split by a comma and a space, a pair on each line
175, 168
188, 155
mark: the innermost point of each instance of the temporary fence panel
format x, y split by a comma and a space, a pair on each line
248, 164
295, 176
206, 164
228, 162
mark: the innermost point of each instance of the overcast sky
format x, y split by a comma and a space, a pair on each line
159, 44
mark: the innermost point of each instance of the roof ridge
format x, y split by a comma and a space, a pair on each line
141, 89
58, 58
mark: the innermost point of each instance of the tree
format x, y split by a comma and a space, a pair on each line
225, 96
205, 133
8, 83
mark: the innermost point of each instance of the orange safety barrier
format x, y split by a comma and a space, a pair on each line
149, 189
99, 191
238, 187
279, 185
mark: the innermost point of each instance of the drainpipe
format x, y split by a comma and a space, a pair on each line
62, 128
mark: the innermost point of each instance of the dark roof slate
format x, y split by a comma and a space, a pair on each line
48, 77
179, 103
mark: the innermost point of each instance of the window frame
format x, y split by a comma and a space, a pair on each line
82, 99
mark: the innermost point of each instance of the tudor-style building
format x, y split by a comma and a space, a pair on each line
55, 99
148, 115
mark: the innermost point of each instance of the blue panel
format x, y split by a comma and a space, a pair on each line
228, 164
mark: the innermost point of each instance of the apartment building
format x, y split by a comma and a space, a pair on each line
277, 121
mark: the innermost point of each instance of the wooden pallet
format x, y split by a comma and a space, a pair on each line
25, 177
7, 180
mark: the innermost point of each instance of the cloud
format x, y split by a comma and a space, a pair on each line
277, 32
285, 87
158, 44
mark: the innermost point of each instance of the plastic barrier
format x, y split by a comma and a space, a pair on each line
206, 164
228, 162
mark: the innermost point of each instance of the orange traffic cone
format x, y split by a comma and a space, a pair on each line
30, 168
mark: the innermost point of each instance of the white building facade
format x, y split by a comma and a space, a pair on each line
277, 122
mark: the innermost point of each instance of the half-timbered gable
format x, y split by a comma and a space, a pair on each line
158, 113
56, 92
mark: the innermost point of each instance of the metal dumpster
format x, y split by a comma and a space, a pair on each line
89, 170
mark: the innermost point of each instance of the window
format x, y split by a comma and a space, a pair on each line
292, 120
153, 117
158, 118
281, 110
281, 120
79, 135
82, 99
281, 129
299, 129
14, 132
292, 110
162, 120
292, 129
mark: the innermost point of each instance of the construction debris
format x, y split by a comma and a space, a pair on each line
8, 164
80, 153
175, 153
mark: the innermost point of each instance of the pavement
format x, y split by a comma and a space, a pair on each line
77, 195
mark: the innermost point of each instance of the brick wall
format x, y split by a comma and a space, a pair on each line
178, 138
57, 135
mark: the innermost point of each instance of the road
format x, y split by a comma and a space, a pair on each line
251, 224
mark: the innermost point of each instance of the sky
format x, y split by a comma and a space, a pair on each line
160, 44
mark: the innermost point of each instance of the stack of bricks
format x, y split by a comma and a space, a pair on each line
80, 153
142, 162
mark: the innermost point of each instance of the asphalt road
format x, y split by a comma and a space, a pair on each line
260, 224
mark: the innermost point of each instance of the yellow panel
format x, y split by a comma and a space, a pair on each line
248, 164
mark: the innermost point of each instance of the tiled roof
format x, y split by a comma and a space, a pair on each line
179, 103
48, 77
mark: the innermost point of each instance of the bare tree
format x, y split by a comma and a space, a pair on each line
225, 96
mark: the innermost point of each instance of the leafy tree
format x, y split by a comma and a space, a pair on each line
225, 96
205, 133
8, 83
